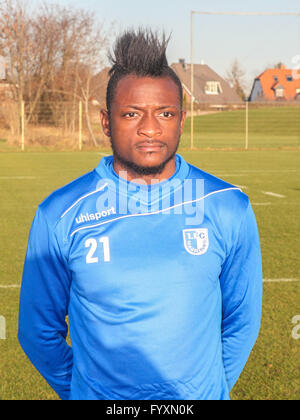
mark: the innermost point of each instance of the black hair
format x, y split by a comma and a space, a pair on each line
143, 54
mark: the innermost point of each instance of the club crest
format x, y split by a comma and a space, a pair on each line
196, 241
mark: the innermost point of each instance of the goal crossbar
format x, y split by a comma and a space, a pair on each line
196, 12
248, 13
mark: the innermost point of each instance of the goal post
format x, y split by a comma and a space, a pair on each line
220, 13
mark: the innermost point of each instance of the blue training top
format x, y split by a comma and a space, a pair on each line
162, 286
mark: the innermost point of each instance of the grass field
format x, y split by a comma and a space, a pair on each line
268, 127
273, 370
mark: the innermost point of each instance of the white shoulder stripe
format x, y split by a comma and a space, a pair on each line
82, 198
155, 212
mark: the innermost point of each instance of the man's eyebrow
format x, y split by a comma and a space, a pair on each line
140, 108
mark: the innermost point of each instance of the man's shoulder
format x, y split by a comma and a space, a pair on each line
229, 195
62, 199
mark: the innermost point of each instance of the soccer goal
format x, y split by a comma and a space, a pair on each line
243, 107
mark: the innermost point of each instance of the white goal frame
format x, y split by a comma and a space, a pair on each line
193, 13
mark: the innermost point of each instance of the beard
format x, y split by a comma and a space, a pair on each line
139, 169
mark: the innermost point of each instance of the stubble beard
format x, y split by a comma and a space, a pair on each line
139, 169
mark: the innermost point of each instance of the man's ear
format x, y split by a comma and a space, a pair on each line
105, 122
183, 117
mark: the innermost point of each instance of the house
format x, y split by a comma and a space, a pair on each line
98, 87
279, 84
209, 87
2, 68
6, 91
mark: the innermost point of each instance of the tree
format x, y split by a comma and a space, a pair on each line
52, 53
235, 76
14, 45
279, 65
79, 56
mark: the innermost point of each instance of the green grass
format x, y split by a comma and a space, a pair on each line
273, 368
269, 127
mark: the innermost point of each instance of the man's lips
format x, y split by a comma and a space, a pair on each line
154, 146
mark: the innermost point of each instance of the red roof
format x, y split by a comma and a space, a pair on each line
280, 78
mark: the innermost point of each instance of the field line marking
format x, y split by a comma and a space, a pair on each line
281, 280
261, 204
231, 175
273, 194
18, 286
260, 171
16, 177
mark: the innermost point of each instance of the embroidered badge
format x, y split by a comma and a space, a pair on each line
196, 241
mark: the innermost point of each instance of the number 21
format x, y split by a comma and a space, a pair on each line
93, 245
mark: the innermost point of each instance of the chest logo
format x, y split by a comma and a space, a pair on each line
196, 241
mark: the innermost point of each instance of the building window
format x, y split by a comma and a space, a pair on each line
279, 93
275, 78
289, 78
213, 88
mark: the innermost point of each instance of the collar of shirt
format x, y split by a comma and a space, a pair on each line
147, 195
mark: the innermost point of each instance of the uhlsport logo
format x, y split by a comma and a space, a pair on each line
91, 217
196, 241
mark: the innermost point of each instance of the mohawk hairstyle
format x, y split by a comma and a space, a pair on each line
142, 54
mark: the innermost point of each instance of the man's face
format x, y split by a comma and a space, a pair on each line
145, 124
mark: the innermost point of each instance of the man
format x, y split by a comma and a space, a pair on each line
156, 263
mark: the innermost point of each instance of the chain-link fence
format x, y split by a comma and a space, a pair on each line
58, 125
76, 125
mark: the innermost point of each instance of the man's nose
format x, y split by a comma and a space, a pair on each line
149, 127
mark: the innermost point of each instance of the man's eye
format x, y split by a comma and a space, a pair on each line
166, 114
130, 114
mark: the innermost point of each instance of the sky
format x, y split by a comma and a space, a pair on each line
256, 42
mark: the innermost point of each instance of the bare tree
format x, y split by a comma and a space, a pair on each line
235, 76
82, 43
279, 65
52, 53
29, 46
14, 35
91, 60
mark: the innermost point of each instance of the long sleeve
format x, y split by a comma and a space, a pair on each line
43, 308
241, 285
